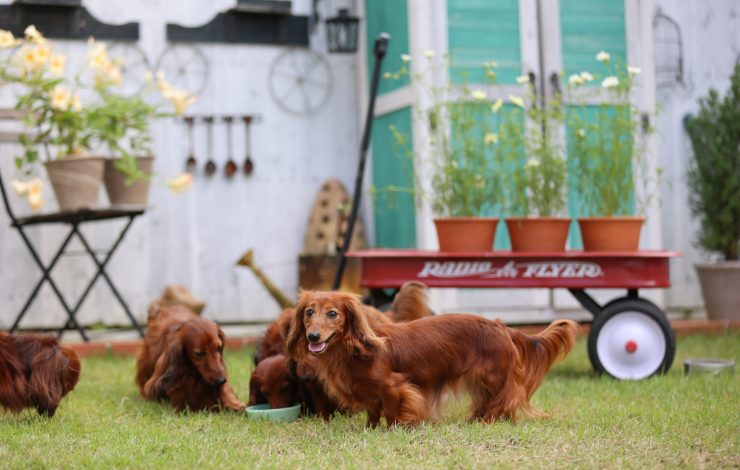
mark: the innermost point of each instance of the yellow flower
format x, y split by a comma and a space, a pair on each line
57, 63
60, 98
33, 35
32, 190
181, 100
575, 79
517, 100
522, 79
478, 95
490, 138
532, 163
41, 55
491, 73
25, 58
7, 40
76, 103
610, 82
97, 56
633, 70
582, 132
494, 64
405, 57
113, 75
387, 75
497, 105
180, 183
148, 77
587, 76
603, 56
429, 54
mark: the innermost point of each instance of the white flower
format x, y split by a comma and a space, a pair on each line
387, 75
454, 163
60, 98
522, 79
490, 138
516, 100
429, 54
582, 132
149, 77
497, 105
7, 39
33, 35
32, 191
180, 183
479, 95
610, 82
405, 57
76, 103
603, 56
41, 55
633, 70
494, 64
25, 58
56, 65
587, 76
97, 55
575, 79
532, 162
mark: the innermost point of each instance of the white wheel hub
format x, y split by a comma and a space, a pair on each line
631, 345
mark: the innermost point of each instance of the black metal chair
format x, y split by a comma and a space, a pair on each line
74, 219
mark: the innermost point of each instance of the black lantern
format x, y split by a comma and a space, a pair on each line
341, 32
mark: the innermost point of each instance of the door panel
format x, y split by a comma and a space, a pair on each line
389, 16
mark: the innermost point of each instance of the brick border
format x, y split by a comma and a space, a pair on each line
682, 329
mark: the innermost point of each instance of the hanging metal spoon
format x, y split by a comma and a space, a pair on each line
248, 165
190, 165
210, 164
230, 168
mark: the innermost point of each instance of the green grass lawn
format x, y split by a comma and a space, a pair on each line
669, 421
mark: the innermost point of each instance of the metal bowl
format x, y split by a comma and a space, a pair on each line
710, 365
280, 414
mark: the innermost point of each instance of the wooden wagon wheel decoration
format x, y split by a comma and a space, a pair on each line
300, 81
133, 67
185, 67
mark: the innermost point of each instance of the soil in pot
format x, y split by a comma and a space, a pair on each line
76, 180
720, 286
530, 234
620, 233
466, 234
135, 194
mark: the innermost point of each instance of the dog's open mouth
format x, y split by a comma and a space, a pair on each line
319, 347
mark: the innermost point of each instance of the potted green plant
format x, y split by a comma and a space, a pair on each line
713, 179
607, 157
55, 111
532, 155
464, 186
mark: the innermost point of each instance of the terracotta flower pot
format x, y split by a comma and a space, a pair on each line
538, 233
466, 234
137, 193
719, 287
620, 233
76, 180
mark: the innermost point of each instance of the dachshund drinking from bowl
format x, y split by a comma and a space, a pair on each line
182, 361
402, 371
35, 372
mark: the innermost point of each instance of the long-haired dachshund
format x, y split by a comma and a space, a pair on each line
404, 370
181, 360
35, 372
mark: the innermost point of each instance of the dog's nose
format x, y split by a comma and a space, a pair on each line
220, 382
305, 378
314, 337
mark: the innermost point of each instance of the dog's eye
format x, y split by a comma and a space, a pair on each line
201, 354
332, 314
284, 390
266, 394
309, 312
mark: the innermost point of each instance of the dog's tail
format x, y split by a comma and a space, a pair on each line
411, 302
539, 352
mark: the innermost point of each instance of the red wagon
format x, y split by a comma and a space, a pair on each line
630, 337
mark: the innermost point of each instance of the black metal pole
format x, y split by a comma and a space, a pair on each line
381, 46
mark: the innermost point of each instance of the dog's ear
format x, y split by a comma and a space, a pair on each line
285, 320
296, 343
166, 368
255, 395
360, 338
222, 337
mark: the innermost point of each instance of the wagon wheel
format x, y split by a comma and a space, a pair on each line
185, 67
631, 339
133, 68
300, 81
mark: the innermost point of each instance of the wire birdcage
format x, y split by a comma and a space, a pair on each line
668, 51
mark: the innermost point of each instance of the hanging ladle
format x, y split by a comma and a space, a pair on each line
190, 165
230, 168
210, 164
248, 165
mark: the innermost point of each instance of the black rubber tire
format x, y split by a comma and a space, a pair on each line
632, 305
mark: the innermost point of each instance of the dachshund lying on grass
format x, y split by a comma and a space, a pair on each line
280, 381
402, 371
181, 361
35, 372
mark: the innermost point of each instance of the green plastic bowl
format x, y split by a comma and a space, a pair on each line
280, 414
